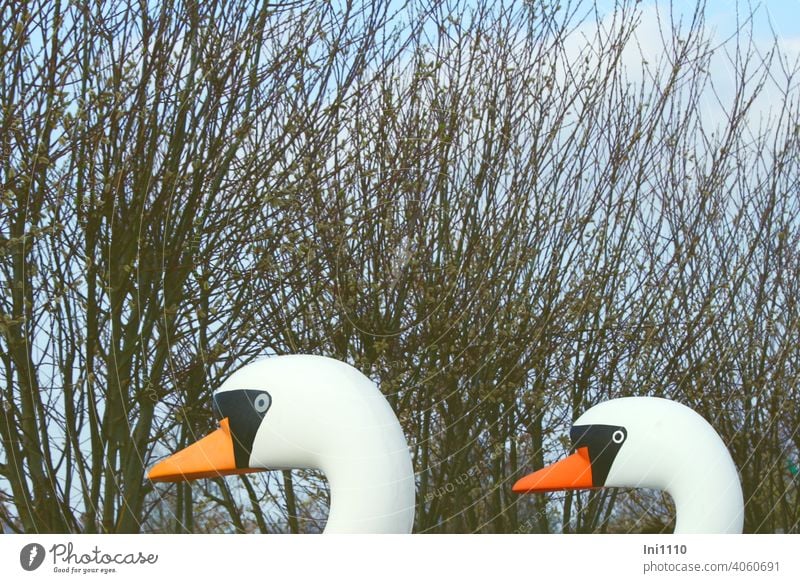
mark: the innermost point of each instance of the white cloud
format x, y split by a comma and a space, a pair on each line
751, 45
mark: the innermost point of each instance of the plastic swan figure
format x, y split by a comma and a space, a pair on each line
648, 442
311, 412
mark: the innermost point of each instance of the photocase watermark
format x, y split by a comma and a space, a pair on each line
530, 525
31, 556
451, 486
465, 477
66, 559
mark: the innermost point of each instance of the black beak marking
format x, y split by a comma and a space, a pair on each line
245, 410
603, 442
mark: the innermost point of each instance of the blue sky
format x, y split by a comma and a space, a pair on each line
772, 19
782, 16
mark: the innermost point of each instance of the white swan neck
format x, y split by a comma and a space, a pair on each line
371, 492
708, 503
670, 447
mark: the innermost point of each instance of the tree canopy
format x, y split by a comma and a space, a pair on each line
502, 212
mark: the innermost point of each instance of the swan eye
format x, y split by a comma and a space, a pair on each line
261, 403
618, 436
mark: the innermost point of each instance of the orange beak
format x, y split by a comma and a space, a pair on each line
210, 457
571, 473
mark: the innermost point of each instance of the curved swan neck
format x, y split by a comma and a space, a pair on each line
324, 414
672, 448
372, 491
708, 498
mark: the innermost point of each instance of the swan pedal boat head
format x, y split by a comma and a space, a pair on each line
310, 412
650, 442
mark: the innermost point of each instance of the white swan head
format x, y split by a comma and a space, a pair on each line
649, 442
302, 411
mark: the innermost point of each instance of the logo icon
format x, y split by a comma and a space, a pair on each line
31, 556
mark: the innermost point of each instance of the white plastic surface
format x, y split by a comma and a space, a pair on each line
670, 447
327, 415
